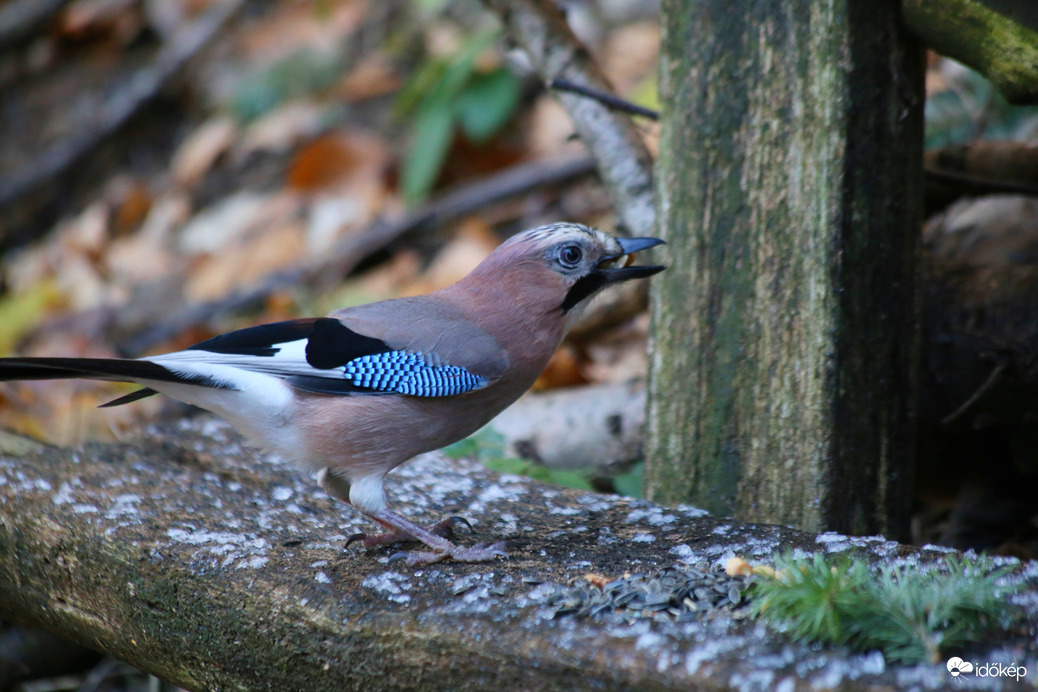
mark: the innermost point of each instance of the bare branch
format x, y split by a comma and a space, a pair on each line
614, 102
624, 162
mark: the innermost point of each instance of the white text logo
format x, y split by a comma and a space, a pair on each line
956, 666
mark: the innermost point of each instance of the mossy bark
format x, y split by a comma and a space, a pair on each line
998, 38
217, 569
783, 376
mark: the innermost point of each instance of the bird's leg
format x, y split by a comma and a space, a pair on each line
339, 488
443, 528
441, 548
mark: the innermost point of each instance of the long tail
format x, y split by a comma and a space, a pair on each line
98, 369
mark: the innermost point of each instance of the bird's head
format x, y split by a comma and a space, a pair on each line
561, 266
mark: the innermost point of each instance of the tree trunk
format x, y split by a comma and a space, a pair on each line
783, 379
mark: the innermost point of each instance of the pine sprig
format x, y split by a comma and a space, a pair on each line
910, 615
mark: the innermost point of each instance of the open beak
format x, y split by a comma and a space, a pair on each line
616, 268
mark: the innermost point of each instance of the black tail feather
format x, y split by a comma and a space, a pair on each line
130, 398
99, 369
90, 368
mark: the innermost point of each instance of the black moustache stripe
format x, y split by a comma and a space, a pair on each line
582, 288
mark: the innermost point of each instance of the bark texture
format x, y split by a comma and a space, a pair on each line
216, 569
783, 378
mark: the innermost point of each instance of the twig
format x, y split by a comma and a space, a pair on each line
354, 249
981, 390
614, 102
624, 163
973, 184
142, 87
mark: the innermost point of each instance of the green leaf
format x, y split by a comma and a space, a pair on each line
646, 94
462, 448
487, 103
567, 479
418, 87
444, 77
629, 484
485, 444
508, 465
430, 142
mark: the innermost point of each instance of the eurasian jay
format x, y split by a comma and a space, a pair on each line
355, 394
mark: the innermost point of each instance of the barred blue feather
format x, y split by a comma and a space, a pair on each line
410, 373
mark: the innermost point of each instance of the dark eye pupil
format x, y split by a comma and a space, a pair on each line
571, 255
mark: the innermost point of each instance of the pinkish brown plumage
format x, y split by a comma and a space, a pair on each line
358, 393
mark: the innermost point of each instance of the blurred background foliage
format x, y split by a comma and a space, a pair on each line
255, 181
172, 169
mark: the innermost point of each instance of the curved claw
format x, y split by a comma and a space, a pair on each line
397, 557
461, 520
353, 539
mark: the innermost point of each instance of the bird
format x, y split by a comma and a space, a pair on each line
355, 394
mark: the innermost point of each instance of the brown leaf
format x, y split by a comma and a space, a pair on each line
220, 273
280, 130
563, 370
373, 77
619, 354
473, 241
132, 202
337, 160
118, 19
201, 149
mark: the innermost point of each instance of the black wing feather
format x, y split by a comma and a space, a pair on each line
332, 344
261, 340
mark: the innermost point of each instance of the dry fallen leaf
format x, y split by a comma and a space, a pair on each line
737, 566
373, 77
630, 54
217, 275
201, 149
224, 223
337, 160
281, 129
473, 241
563, 370
132, 202
618, 355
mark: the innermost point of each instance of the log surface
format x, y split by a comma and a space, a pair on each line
217, 569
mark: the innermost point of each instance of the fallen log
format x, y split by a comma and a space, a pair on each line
194, 559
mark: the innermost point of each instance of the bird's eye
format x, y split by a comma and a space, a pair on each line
570, 255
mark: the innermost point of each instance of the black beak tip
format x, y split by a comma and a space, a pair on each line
635, 271
632, 245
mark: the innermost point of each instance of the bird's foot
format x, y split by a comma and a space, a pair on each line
443, 529
483, 552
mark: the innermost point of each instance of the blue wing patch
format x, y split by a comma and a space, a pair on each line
409, 373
